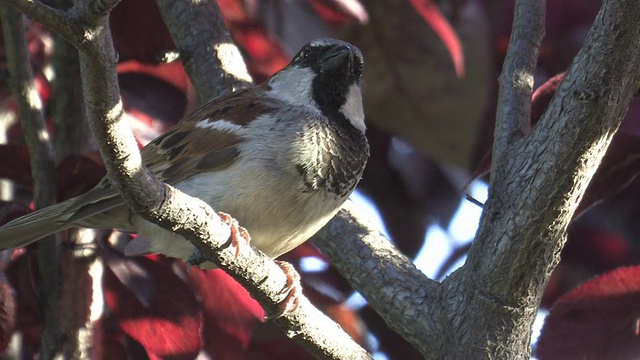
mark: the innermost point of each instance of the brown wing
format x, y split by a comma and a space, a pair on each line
187, 148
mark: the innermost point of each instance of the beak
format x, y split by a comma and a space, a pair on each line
335, 59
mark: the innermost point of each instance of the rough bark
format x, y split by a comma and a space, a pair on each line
395, 288
486, 309
536, 189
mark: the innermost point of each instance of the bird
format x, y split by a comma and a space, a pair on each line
281, 158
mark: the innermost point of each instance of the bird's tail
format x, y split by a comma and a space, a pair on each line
34, 226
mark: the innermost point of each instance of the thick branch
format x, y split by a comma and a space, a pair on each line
523, 227
516, 81
390, 282
551, 168
209, 55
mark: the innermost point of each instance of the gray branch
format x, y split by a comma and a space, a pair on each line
29, 106
516, 81
57, 20
38, 142
208, 53
66, 103
486, 308
523, 226
400, 293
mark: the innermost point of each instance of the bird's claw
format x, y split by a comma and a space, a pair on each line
293, 291
239, 236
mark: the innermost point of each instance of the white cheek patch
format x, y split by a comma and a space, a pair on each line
220, 125
352, 108
293, 85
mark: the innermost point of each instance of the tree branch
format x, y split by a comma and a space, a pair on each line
38, 142
67, 105
209, 55
80, 270
400, 293
523, 227
57, 20
92, 10
29, 106
516, 82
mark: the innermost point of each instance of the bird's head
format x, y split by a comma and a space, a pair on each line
325, 75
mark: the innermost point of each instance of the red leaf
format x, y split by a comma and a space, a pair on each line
74, 175
598, 249
230, 314
589, 251
432, 15
346, 317
598, 320
265, 55
170, 325
542, 97
340, 12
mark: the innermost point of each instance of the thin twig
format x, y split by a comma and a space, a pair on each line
22, 83
41, 154
66, 104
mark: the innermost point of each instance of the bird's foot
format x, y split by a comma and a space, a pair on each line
239, 236
293, 289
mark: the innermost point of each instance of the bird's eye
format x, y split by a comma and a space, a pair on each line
304, 55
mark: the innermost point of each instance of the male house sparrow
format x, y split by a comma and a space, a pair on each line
281, 158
